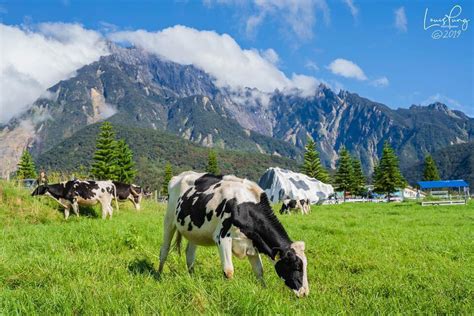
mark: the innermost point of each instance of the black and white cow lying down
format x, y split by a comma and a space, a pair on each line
73, 193
235, 215
292, 205
131, 192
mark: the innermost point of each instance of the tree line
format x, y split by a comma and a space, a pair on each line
349, 176
113, 160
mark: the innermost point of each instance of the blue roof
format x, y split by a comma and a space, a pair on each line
443, 184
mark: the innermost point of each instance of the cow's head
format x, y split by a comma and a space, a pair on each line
147, 192
291, 267
137, 193
40, 190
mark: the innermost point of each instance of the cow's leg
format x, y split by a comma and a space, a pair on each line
225, 253
110, 207
257, 267
75, 208
104, 211
137, 206
105, 207
66, 212
190, 256
111, 210
168, 232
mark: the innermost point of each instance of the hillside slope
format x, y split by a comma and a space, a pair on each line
454, 162
153, 148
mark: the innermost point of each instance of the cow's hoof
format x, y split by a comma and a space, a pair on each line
229, 274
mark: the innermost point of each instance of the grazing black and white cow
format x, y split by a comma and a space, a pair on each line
291, 205
130, 192
235, 215
73, 193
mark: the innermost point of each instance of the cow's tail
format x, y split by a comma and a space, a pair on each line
177, 242
115, 197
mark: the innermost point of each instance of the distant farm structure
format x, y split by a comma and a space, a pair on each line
445, 192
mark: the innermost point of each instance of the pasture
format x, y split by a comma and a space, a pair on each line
362, 258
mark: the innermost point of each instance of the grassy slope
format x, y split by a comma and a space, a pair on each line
362, 259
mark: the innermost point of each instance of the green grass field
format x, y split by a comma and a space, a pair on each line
363, 258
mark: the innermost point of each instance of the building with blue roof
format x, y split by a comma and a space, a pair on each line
443, 184
434, 188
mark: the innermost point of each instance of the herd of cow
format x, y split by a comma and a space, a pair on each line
71, 194
232, 213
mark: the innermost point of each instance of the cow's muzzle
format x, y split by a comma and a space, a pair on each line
303, 291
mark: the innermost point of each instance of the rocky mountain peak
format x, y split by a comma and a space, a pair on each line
143, 90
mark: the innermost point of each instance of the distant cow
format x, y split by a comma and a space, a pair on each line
73, 193
290, 205
235, 215
131, 192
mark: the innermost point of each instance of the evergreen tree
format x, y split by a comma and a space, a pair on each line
105, 166
344, 178
431, 171
312, 166
358, 186
26, 166
387, 175
167, 178
125, 171
212, 164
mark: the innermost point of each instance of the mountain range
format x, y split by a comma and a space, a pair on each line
136, 89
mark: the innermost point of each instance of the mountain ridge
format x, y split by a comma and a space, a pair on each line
136, 88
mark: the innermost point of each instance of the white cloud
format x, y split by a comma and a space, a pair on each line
311, 65
220, 56
438, 97
34, 59
271, 56
298, 17
380, 82
450, 102
346, 68
401, 22
354, 10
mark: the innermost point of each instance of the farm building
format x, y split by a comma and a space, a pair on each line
280, 184
460, 187
410, 193
452, 191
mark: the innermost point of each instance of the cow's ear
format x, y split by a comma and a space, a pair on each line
298, 245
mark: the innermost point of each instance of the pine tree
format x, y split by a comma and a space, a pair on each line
344, 178
125, 171
26, 166
358, 186
312, 166
212, 164
387, 175
431, 171
167, 178
105, 166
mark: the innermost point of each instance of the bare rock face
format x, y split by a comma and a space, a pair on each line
12, 144
100, 109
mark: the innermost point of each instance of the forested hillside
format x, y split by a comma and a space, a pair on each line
453, 162
153, 148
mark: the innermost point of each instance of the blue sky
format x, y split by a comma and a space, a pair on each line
401, 64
